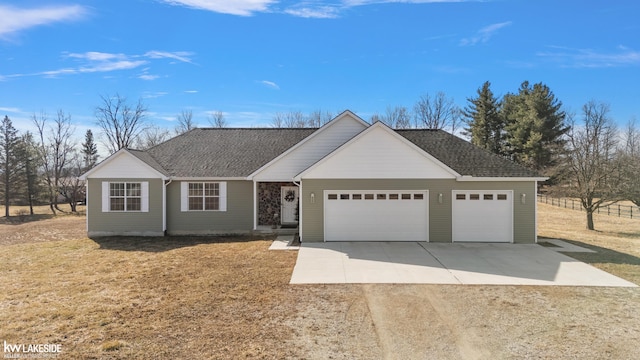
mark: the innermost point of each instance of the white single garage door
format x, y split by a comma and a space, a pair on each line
376, 215
482, 216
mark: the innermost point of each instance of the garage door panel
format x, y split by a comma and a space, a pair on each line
482, 216
376, 215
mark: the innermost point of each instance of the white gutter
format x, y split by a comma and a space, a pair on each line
212, 178
502, 178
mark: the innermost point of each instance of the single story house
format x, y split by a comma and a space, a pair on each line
345, 181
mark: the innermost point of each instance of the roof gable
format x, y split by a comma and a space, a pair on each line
378, 152
125, 164
311, 149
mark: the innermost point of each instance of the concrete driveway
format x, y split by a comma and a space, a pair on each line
431, 263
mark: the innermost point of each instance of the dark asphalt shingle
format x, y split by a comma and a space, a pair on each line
464, 157
239, 152
224, 152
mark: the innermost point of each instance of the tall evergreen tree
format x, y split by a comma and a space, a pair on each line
9, 161
89, 151
30, 161
535, 127
485, 126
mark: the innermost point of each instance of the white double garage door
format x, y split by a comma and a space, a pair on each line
367, 215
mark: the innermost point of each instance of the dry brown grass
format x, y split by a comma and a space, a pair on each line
173, 297
212, 298
615, 240
38, 210
148, 298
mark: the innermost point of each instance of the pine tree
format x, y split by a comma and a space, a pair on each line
535, 126
9, 161
485, 125
89, 151
30, 161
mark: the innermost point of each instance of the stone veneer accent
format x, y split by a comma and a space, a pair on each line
269, 202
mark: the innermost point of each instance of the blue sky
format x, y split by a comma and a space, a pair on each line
253, 58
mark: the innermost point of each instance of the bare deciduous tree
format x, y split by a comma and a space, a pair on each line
592, 162
437, 112
456, 120
397, 117
55, 150
217, 120
120, 122
152, 136
71, 187
317, 118
292, 119
185, 122
630, 163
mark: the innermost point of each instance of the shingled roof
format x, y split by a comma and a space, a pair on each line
238, 152
464, 157
223, 152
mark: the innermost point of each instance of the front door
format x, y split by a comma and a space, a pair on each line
289, 204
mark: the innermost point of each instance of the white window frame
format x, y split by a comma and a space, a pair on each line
184, 196
144, 196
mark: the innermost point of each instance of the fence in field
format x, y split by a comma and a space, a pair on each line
627, 211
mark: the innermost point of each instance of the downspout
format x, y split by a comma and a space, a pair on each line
299, 185
535, 209
86, 204
255, 205
164, 206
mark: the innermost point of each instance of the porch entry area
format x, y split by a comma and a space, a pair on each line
278, 204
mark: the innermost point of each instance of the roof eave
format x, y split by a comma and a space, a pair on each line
501, 178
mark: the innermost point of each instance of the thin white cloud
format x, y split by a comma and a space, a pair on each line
191, 91
9, 110
319, 9
182, 56
96, 56
370, 2
14, 19
589, 58
320, 12
153, 95
485, 34
270, 84
148, 77
94, 62
232, 7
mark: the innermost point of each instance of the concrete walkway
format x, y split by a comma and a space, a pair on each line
431, 263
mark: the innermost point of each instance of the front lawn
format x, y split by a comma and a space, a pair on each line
222, 298
148, 298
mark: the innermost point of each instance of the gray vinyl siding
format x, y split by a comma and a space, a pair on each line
124, 223
439, 214
238, 218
